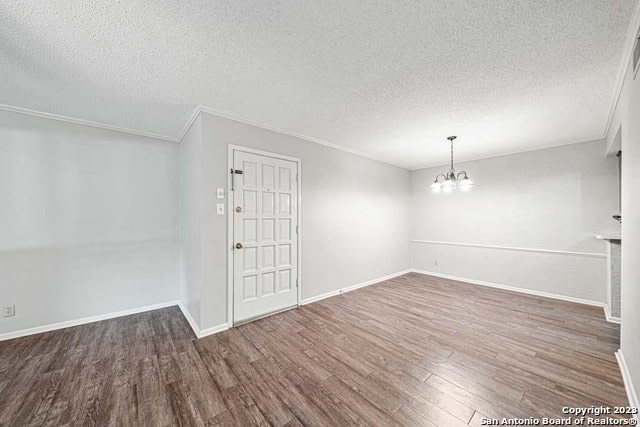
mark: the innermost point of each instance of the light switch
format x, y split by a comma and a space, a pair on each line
220, 208
220, 193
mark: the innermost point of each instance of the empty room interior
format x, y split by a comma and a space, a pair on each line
319, 213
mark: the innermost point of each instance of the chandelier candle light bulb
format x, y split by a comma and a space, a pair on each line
451, 180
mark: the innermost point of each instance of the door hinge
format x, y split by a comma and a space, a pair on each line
296, 283
297, 229
296, 177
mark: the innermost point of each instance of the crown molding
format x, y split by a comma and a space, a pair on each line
202, 109
67, 119
514, 153
627, 52
192, 118
208, 110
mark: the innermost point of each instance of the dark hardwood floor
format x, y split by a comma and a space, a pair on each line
415, 350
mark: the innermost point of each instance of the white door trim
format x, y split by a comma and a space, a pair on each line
229, 197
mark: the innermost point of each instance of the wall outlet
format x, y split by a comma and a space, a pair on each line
220, 209
9, 310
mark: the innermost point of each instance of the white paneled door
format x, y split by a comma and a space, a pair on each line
265, 235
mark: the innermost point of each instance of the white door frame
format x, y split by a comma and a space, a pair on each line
230, 217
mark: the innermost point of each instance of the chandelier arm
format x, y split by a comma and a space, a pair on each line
441, 175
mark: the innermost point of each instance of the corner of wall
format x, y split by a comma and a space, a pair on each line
632, 394
187, 315
189, 171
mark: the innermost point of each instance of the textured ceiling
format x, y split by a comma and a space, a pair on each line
388, 78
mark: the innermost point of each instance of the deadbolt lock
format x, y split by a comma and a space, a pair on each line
238, 245
238, 209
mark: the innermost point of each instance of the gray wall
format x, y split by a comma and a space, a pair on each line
88, 221
555, 199
355, 213
189, 177
627, 119
89, 218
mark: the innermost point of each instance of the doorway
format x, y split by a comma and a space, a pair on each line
264, 233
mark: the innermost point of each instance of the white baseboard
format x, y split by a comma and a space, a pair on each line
512, 288
194, 326
201, 333
214, 330
609, 317
628, 383
84, 320
352, 287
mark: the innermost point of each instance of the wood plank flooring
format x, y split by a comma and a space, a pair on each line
415, 350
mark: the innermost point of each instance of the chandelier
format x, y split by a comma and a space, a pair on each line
450, 181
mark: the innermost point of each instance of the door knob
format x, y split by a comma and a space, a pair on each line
238, 209
238, 245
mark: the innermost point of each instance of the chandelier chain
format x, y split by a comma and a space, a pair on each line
451, 181
452, 155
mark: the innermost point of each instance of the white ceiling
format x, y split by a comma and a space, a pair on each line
389, 78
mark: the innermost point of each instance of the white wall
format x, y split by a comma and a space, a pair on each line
355, 213
88, 221
627, 119
555, 199
190, 161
